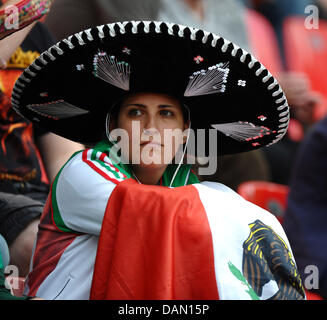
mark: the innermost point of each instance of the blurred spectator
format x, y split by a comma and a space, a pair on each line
302, 100
305, 220
299, 95
16, 15
29, 157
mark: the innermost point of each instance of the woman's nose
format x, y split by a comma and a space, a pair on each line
150, 134
150, 126
150, 130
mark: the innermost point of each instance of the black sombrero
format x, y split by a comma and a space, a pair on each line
71, 86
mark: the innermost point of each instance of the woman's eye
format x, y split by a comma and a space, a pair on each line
134, 112
166, 113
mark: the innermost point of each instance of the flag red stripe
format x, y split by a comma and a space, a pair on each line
155, 244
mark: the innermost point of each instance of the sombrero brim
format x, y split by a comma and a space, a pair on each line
70, 87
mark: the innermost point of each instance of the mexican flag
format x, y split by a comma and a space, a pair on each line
200, 241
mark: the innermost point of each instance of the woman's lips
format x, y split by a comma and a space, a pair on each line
151, 143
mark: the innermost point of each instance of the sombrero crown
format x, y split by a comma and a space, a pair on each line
71, 86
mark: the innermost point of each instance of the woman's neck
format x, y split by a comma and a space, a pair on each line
148, 175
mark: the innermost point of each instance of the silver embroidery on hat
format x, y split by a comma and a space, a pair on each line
110, 70
210, 81
243, 131
57, 110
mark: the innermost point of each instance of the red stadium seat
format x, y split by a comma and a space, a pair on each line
306, 51
263, 41
267, 195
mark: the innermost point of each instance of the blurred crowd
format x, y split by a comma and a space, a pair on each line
282, 34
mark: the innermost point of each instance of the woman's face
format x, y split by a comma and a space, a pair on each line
154, 124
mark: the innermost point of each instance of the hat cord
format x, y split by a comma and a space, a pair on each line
107, 128
181, 161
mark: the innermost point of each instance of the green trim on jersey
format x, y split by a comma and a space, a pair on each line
105, 147
102, 164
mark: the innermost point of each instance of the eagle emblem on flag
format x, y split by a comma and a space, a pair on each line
267, 258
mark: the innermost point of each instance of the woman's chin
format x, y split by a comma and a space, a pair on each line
154, 158
151, 166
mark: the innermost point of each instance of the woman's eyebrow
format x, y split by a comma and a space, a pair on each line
167, 106
135, 105
144, 106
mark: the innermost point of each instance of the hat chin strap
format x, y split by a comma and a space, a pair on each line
107, 128
188, 136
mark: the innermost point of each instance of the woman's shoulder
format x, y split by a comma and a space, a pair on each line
92, 163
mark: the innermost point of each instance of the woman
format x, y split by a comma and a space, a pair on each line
125, 219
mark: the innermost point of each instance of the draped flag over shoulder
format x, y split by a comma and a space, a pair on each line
201, 241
